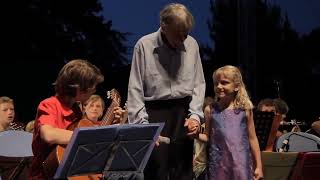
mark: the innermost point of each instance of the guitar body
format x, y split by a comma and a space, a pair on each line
55, 157
50, 165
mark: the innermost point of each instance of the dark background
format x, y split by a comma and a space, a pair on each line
255, 35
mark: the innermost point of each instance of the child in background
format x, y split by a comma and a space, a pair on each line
7, 113
200, 147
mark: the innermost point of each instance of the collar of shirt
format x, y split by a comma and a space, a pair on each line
161, 43
67, 111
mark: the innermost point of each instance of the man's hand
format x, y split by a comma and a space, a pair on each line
193, 127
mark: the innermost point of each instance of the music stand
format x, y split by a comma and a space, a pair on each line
263, 123
15, 154
16, 144
115, 150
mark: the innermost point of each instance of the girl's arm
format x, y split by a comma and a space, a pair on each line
53, 135
255, 149
207, 116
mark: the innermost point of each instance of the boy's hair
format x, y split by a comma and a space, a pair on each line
5, 99
77, 74
265, 102
233, 73
178, 14
281, 106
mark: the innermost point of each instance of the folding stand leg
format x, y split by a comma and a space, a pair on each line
123, 176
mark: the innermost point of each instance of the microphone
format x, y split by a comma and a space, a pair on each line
284, 145
163, 139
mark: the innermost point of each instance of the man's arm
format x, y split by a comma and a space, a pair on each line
195, 106
136, 107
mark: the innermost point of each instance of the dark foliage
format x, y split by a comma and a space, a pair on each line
275, 59
47, 34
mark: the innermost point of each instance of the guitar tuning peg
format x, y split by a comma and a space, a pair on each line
108, 94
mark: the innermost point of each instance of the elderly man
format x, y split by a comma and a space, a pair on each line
167, 85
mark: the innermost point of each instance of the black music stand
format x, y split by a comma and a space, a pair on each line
263, 123
114, 151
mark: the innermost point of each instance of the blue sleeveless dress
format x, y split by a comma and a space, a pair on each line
229, 154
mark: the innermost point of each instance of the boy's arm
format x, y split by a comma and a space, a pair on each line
53, 135
204, 136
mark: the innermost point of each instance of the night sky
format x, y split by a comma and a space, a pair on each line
141, 17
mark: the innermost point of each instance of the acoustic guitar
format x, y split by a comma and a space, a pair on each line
52, 162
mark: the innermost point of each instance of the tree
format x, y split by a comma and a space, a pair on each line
279, 64
48, 34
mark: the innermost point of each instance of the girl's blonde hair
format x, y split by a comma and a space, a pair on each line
242, 99
94, 98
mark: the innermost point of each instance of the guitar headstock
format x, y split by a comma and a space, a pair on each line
114, 95
125, 114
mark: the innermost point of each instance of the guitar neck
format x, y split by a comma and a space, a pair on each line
109, 116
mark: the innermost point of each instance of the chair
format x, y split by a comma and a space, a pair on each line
278, 166
307, 166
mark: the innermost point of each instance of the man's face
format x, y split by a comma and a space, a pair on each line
175, 35
266, 108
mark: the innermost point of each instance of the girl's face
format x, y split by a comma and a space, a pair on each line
94, 110
224, 87
6, 113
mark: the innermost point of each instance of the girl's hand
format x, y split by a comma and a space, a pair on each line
258, 174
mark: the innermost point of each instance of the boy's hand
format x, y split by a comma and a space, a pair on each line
118, 115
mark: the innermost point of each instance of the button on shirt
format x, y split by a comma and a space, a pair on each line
160, 73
